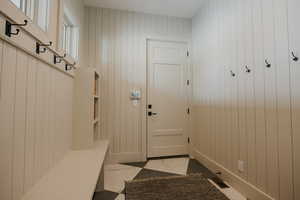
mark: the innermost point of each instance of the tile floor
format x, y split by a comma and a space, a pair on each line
116, 175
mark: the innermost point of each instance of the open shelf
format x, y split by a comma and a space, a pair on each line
87, 108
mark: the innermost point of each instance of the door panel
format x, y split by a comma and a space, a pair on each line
167, 94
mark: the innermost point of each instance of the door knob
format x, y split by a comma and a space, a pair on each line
151, 113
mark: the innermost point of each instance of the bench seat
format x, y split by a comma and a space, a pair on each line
73, 178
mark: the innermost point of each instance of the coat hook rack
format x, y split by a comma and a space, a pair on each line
247, 69
38, 47
268, 65
58, 59
232, 73
8, 28
295, 58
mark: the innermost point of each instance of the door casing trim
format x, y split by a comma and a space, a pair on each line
144, 101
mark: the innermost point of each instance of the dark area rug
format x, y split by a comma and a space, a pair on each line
192, 187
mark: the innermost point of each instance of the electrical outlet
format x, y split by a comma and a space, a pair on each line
241, 165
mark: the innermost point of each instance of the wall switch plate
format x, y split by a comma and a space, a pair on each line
135, 95
241, 167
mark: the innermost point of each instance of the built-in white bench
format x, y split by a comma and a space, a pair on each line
76, 177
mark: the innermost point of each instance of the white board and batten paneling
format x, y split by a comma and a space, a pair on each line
116, 46
294, 44
263, 125
36, 120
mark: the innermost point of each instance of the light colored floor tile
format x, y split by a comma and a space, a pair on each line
116, 175
173, 165
120, 197
231, 193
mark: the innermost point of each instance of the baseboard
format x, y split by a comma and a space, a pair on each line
247, 189
126, 157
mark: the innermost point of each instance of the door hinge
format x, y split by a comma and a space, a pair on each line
189, 140
188, 82
188, 54
188, 111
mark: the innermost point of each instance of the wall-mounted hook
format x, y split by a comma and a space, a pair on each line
8, 28
247, 69
232, 73
38, 47
295, 58
58, 59
268, 65
70, 66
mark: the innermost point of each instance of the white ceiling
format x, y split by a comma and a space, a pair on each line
178, 8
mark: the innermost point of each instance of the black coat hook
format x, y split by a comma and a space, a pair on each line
58, 59
295, 58
232, 73
38, 47
268, 65
247, 69
70, 66
8, 28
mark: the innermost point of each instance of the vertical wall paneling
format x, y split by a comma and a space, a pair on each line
220, 92
294, 44
30, 123
213, 61
19, 125
119, 38
259, 67
8, 62
283, 100
234, 89
242, 77
250, 109
35, 120
251, 112
270, 100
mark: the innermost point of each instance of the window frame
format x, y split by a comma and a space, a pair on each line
69, 37
33, 10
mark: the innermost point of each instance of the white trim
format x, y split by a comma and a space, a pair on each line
246, 189
75, 33
125, 157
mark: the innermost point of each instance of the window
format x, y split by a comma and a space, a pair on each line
70, 38
42, 13
36, 10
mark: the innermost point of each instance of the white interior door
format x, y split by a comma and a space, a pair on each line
167, 98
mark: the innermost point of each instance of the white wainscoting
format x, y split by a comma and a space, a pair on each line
116, 46
35, 120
